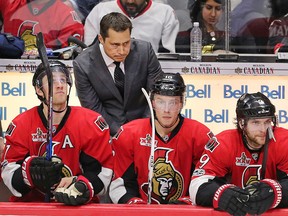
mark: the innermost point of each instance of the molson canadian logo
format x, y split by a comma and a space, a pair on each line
25, 68
202, 69
22, 68
255, 69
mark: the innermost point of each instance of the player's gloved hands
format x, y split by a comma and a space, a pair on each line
40, 173
231, 199
264, 195
78, 193
182, 201
136, 200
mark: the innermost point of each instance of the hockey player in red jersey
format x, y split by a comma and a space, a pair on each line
179, 143
244, 170
82, 162
26, 18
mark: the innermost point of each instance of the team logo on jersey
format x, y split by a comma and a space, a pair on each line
10, 129
212, 144
27, 32
101, 123
39, 136
243, 160
147, 141
167, 182
251, 174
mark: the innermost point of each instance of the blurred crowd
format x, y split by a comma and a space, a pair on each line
256, 26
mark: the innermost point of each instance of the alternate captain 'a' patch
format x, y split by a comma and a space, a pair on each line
101, 123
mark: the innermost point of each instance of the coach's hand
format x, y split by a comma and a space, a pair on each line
40, 173
231, 199
264, 195
78, 193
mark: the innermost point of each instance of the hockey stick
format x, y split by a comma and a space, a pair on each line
44, 59
269, 136
45, 62
151, 159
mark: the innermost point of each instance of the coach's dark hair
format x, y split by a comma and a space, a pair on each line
116, 21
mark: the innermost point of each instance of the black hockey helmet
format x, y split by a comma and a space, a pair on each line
55, 66
169, 84
255, 105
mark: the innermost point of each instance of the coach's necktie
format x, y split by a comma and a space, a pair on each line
119, 78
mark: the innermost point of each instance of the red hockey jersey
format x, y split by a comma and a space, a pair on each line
81, 140
174, 160
226, 156
54, 19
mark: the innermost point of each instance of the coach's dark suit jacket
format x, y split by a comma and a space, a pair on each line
97, 91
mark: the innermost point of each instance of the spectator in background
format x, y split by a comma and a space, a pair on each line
279, 25
208, 14
54, 19
179, 143
250, 27
83, 7
94, 72
278, 9
153, 22
81, 164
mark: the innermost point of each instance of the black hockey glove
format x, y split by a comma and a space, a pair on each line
264, 195
78, 193
231, 199
40, 173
